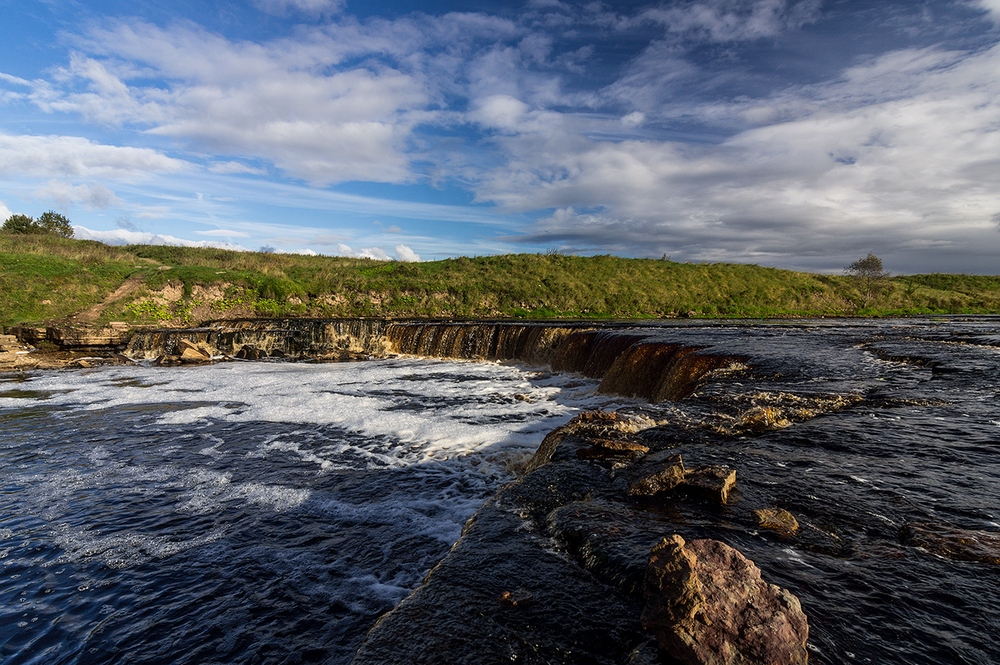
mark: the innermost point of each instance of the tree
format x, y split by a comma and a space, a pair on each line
870, 277
49, 222
53, 222
20, 224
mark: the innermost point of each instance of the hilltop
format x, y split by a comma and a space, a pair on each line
46, 278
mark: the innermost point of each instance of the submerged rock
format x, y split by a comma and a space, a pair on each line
666, 474
777, 519
713, 482
706, 604
959, 544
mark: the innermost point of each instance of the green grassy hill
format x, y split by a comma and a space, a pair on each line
45, 278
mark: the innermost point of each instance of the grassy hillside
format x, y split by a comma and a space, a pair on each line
46, 278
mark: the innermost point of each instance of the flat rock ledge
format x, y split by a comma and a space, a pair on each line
579, 561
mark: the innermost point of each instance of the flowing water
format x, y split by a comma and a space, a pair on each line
269, 512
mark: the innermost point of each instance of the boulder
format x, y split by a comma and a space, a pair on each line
713, 482
706, 604
777, 519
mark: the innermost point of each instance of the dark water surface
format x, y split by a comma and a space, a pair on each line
269, 513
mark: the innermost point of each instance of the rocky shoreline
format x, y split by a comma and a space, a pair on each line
577, 562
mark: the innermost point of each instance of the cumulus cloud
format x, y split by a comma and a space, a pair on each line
407, 255
75, 157
4, 211
896, 153
292, 102
65, 194
366, 253
129, 237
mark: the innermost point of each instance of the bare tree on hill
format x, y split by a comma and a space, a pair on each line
870, 277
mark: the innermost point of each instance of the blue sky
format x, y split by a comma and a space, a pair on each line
789, 133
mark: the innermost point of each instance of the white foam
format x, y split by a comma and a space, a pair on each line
122, 550
445, 408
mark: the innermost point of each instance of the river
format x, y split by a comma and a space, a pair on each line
269, 512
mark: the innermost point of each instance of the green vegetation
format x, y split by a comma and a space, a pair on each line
48, 222
44, 278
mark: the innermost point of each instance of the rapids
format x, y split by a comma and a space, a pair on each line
271, 511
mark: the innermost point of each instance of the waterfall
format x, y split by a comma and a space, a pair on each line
627, 361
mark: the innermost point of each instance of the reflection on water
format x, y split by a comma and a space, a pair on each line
269, 513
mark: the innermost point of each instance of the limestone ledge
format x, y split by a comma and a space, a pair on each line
575, 562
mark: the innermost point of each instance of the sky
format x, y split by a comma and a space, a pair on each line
797, 134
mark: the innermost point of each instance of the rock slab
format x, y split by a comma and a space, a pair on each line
706, 604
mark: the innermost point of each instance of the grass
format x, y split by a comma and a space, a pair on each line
44, 278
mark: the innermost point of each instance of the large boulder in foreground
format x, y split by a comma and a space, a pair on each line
707, 604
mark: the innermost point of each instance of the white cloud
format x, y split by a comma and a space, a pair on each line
4, 211
286, 101
130, 237
366, 253
74, 157
224, 233
65, 194
992, 7
302, 252
500, 112
634, 119
893, 154
731, 20
407, 255
313, 7
226, 168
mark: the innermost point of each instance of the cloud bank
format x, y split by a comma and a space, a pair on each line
668, 129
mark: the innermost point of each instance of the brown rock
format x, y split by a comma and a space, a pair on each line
662, 477
616, 444
777, 519
706, 604
713, 482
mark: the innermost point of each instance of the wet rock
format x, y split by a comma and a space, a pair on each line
604, 423
604, 539
619, 445
515, 598
777, 519
611, 456
712, 482
706, 604
168, 361
959, 544
647, 653
192, 353
650, 479
248, 352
